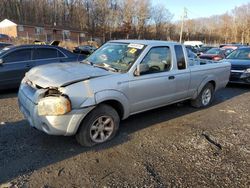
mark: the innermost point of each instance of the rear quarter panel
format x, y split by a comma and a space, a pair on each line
202, 74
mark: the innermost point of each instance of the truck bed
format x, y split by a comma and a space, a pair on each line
203, 70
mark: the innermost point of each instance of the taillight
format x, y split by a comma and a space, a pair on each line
217, 58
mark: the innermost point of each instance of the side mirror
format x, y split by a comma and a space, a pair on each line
140, 69
1, 61
137, 71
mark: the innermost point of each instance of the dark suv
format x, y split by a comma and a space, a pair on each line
15, 61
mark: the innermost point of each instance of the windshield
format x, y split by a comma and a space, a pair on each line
119, 56
243, 53
214, 51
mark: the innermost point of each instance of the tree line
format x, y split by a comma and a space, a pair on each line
137, 19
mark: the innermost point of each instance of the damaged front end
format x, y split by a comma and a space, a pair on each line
54, 103
49, 109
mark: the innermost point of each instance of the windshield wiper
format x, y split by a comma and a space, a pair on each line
87, 62
106, 66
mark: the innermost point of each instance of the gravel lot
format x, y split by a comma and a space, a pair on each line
174, 146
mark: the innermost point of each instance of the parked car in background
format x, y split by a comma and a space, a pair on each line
228, 51
4, 44
86, 49
192, 48
16, 60
203, 49
121, 78
230, 47
197, 44
199, 50
233, 46
4, 38
240, 65
215, 54
191, 54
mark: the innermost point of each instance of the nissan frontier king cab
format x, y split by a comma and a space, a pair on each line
123, 77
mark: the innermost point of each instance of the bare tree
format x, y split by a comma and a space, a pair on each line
161, 18
109, 19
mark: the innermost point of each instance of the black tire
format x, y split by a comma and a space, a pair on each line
198, 102
84, 135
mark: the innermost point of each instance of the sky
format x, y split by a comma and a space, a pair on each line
200, 8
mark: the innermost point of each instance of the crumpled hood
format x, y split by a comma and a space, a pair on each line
62, 74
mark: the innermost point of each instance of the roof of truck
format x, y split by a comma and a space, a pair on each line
147, 42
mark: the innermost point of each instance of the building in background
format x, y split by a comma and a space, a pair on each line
44, 33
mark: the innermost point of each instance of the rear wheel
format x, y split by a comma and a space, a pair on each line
99, 126
205, 97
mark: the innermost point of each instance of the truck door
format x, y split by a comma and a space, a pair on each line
182, 73
155, 86
13, 67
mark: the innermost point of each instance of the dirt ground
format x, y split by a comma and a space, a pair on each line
174, 146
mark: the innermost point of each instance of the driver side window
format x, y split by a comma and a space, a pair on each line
157, 60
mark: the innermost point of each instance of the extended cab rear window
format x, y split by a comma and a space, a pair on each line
180, 58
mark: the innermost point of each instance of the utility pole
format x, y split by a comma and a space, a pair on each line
55, 12
54, 24
184, 15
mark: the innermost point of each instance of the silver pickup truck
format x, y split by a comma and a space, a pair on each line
123, 77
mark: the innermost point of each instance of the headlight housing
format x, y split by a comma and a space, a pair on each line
54, 106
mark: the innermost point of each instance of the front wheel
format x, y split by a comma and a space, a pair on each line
205, 97
99, 126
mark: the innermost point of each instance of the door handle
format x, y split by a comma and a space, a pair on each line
171, 77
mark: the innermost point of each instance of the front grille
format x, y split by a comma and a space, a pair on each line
29, 91
24, 102
236, 74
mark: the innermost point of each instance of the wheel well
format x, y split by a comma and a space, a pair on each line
213, 83
116, 105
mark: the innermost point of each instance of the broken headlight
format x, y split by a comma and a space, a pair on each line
54, 106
